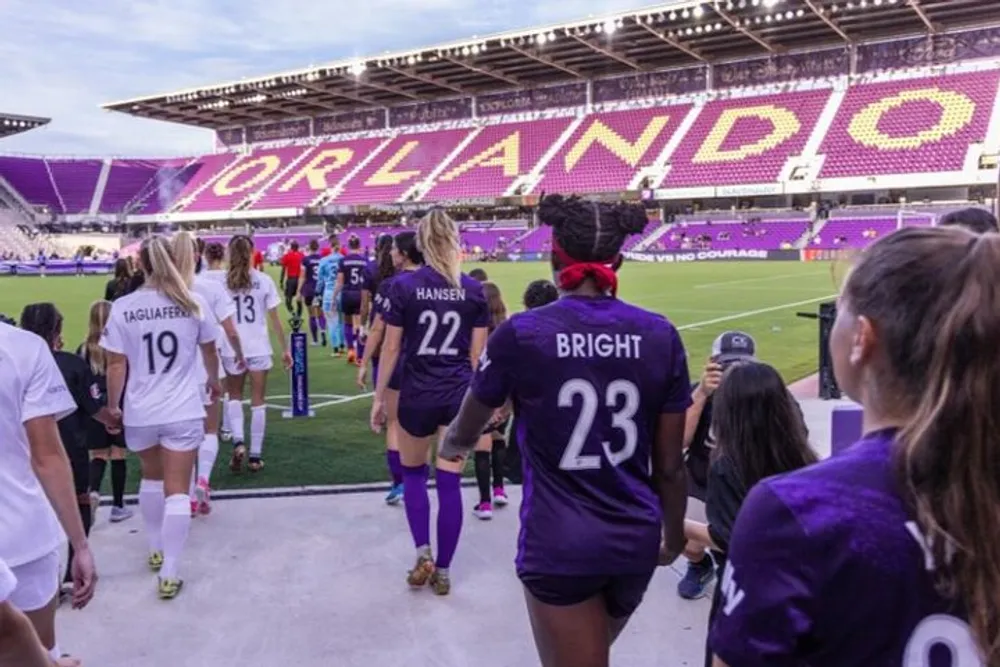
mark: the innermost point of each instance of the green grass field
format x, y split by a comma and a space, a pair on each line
337, 447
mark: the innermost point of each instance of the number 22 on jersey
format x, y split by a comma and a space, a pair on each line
622, 419
449, 322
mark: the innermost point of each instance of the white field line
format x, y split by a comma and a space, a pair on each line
333, 399
758, 280
752, 313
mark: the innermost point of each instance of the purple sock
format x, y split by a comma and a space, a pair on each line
449, 525
322, 323
313, 330
395, 467
361, 350
418, 504
349, 335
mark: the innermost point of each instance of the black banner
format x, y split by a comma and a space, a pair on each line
676, 256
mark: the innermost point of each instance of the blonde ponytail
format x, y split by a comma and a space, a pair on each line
182, 247
163, 276
99, 312
437, 239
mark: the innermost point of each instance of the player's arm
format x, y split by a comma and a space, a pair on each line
477, 345
19, 644
375, 337
233, 336
366, 305
338, 287
278, 331
388, 358
84, 388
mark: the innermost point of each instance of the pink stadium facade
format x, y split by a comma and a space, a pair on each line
901, 127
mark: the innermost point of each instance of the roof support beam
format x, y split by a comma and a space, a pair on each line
915, 4
338, 93
487, 71
672, 42
728, 18
366, 82
440, 83
818, 11
199, 118
545, 60
609, 52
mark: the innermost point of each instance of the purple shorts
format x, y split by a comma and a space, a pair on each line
424, 421
621, 593
308, 292
350, 303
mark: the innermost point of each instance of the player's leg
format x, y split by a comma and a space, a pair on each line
484, 508
234, 410
37, 596
392, 459
498, 459
320, 314
100, 454
448, 480
291, 289
80, 465
258, 411
415, 439
307, 299
180, 443
144, 441
207, 454
119, 473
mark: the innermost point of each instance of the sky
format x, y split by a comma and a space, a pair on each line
62, 59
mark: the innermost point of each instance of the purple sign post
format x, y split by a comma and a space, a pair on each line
300, 374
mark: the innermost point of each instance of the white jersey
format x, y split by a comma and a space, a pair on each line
161, 342
32, 387
252, 307
217, 298
8, 582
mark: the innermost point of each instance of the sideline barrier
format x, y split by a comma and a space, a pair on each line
299, 345
54, 267
674, 256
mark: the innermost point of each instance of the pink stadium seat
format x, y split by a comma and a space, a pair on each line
245, 177
904, 127
76, 180
733, 235
745, 141
30, 177
608, 149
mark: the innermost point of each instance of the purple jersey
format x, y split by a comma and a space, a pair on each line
590, 377
352, 267
437, 321
827, 568
309, 265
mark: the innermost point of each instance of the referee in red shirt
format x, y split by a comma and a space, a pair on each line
291, 271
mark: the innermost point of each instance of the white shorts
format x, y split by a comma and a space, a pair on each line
253, 364
37, 583
183, 436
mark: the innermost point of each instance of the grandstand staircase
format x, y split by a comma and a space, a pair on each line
652, 238
417, 192
13, 200
332, 193
659, 169
991, 142
533, 177
254, 197
55, 187
817, 226
180, 205
807, 165
102, 182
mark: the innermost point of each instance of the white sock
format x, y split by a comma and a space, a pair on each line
258, 424
225, 413
235, 411
151, 506
55, 653
176, 524
207, 453
191, 486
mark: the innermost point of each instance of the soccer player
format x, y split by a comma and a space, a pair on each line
36, 485
350, 280
439, 314
103, 446
215, 257
376, 270
187, 257
887, 554
479, 275
307, 292
539, 293
19, 645
153, 335
605, 490
256, 299
489, 455
291, 270
258, 259
405, 258
326, 281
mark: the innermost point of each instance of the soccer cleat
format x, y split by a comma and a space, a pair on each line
203, 492
155, 561
421, 572
239, 453
169, 588
440, 582
483, 511
352, 357
697, 578
194, 508
500, 497
395, 495
119, 514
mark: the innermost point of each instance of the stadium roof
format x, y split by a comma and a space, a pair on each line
14, 124
660, 37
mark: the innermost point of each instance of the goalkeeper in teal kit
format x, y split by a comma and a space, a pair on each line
326, 280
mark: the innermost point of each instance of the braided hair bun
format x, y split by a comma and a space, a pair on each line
591, 231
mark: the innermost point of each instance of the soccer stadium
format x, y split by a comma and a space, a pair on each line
768, 142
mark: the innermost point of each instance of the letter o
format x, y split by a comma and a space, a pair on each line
957, 111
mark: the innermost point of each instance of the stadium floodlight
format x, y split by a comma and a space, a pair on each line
610, 27
686, 14
699, 11
673, 16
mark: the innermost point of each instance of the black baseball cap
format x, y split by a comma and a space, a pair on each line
733, 346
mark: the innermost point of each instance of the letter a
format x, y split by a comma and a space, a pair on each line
505, 153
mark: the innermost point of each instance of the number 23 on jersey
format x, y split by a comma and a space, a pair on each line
622, 398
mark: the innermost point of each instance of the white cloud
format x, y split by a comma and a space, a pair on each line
62, 59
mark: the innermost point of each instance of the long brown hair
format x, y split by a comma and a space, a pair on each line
93, 352
240, 261
933, 298
494, 301
757, 424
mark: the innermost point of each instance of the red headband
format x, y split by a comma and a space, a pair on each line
574, 272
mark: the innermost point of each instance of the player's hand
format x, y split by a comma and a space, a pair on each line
363, 376
241, 364
84, 573
377, 419
116, 421
711, 378
286, 360
214, 390
668, 555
